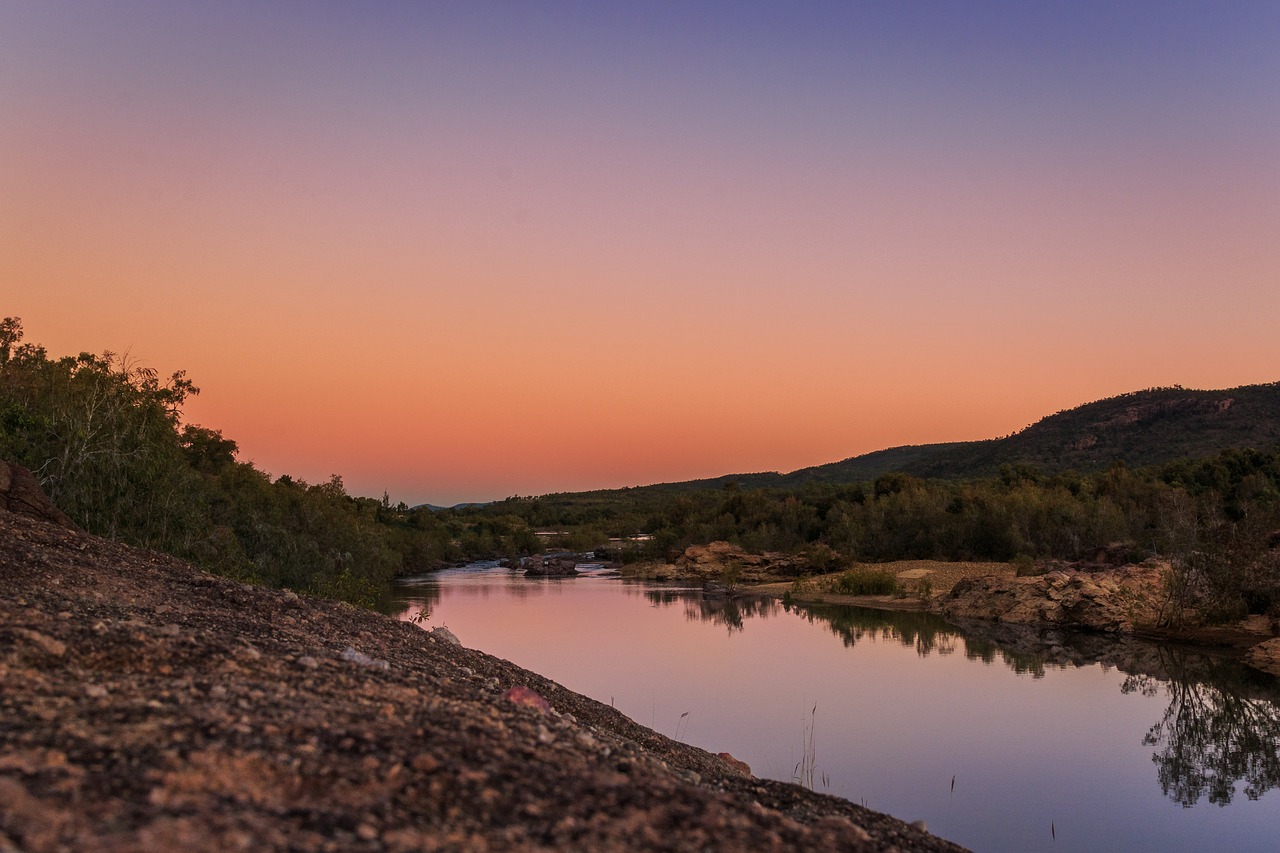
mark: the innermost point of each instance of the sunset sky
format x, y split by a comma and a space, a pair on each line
460, 251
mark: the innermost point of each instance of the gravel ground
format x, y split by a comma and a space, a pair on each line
146, 705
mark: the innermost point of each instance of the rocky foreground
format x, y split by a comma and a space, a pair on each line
146, 705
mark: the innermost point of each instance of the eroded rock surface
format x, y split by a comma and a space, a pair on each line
550, 566
1265, 656
20, 494
1115, 600
148, 706
724, 560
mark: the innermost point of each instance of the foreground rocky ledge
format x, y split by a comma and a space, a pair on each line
145, 705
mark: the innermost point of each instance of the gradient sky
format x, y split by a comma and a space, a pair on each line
460, 251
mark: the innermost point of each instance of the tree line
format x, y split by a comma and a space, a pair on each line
106, 440
1216, 519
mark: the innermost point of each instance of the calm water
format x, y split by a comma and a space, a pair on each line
1054, 743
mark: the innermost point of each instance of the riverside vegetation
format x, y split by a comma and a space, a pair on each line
106, 439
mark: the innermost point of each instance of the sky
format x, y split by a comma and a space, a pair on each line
461, 251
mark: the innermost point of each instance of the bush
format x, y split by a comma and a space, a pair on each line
866, 582
1024, 565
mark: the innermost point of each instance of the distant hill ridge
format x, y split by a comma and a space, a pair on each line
1139, 428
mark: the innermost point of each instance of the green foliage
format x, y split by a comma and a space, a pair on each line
1214, 518
1024, 565
866, 582
104, 437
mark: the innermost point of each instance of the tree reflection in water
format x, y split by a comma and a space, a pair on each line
729, 611
1217, 731
1221, 727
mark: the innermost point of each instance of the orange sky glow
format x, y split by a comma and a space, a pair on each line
464, 252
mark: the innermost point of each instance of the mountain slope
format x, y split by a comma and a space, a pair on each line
1139, 429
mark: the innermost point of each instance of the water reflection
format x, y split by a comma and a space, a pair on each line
731, 612
1216, 732
1213, 736
1221, 727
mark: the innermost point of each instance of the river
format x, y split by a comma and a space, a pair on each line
999, 740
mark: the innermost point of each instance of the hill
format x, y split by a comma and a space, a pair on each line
1140, 428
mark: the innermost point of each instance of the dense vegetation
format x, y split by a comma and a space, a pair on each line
1216, 518
107, 441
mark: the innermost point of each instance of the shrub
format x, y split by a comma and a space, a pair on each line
866, 582
1024, 565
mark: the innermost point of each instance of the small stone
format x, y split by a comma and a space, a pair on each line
46, 644
527, 697
95, 691
360, 658
444, 635
838, 824
308, 661
171, 630
366, 832
425, 763
741, 766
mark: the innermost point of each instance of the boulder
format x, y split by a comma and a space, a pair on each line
20, 493
1265, 656
444, 635
1115, 600
551, 566
737, 764
726, 560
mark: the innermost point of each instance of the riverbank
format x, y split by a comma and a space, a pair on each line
147, 705
1097, 596
1126, 600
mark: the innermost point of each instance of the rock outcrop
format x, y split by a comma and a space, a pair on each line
1114, 600
550, 566
726, 562
1265, 656
20, 493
